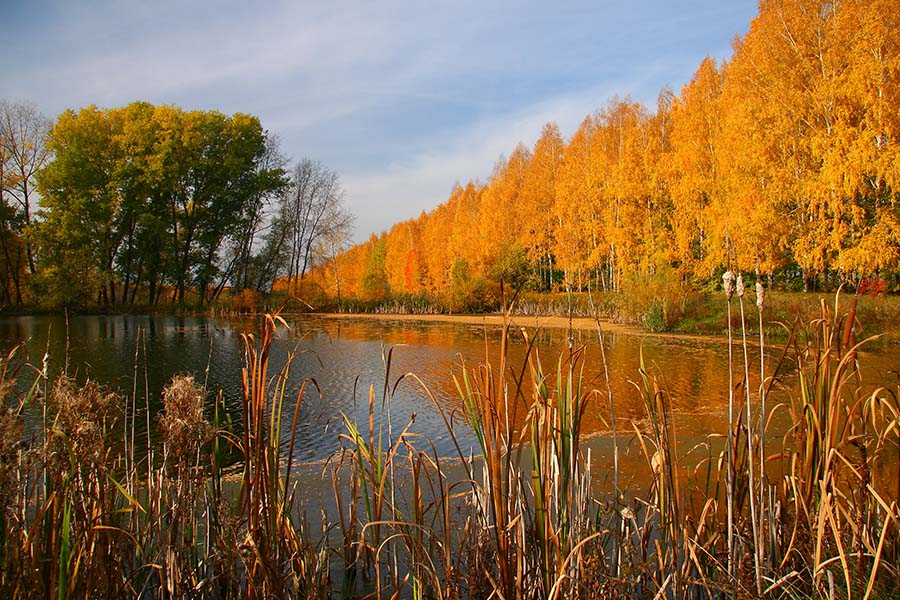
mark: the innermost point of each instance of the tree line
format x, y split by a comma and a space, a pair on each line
144, 204
782, 160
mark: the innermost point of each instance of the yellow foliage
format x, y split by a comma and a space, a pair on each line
788, 154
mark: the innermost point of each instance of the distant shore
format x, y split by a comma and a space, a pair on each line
530, 321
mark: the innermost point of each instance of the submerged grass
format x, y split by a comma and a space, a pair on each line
812, 514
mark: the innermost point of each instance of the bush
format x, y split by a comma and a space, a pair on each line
246, 300
469, 293
873, 286
655, 300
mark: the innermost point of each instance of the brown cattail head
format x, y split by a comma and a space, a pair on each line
183, 426
740, 285
11, 427
82, 416
728, 284
760, 296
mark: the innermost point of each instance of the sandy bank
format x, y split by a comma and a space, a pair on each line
531, 322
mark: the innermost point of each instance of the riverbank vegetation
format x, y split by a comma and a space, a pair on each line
780, 162
690, 312
219, 509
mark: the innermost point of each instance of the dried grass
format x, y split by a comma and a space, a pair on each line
818, 517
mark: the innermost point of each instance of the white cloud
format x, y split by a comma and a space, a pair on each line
403, 190
403, 98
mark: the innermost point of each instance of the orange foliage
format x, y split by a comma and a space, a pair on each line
786, 155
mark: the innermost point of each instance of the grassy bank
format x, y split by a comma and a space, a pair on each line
218, 509
654, 305
701, 312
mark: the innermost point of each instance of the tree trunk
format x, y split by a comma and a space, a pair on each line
25, 197
10, 269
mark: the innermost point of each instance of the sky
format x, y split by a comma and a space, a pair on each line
403, 99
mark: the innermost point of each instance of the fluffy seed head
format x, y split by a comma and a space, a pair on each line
728, 284
740, 285
183, 426
760, 295
11, 427
82, 416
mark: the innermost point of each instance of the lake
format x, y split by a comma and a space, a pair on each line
137, 355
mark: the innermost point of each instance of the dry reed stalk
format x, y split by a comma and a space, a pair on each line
829, 527
751, 471
276, 544
728, 284
185, 432
615, 434
665, 502
489, 412
763, 418
14, 463
375, 480
559, 475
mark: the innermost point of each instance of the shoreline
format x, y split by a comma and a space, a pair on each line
493, 320
528, 321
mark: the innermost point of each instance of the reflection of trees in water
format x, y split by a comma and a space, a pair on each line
345, 357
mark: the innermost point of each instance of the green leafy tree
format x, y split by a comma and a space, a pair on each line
79, 241
374, 280
145, 195
512, 269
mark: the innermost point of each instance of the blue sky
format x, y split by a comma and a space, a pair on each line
402, 99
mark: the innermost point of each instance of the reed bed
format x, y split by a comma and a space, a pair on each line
217, 510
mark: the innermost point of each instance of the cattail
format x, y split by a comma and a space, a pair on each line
760, 296
11, 428
728, 283
83, 415
183, 426
740, 286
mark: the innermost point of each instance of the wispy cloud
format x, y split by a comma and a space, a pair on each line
402, 190
403, 98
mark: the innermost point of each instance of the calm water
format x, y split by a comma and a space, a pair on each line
346, 357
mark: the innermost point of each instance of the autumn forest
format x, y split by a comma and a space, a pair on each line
783, 161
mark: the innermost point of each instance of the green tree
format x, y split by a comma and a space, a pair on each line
512, 269
249, 266
145, 195
374, 280
79, 201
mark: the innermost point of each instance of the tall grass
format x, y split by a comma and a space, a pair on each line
216, 509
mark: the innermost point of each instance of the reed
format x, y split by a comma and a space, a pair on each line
490, 407
215, 510
373, 480
278, 554
835, 485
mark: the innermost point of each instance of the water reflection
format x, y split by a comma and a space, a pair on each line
137, 355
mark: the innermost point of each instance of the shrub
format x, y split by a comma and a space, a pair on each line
246, 300
873, 286
655, 300
469, 293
